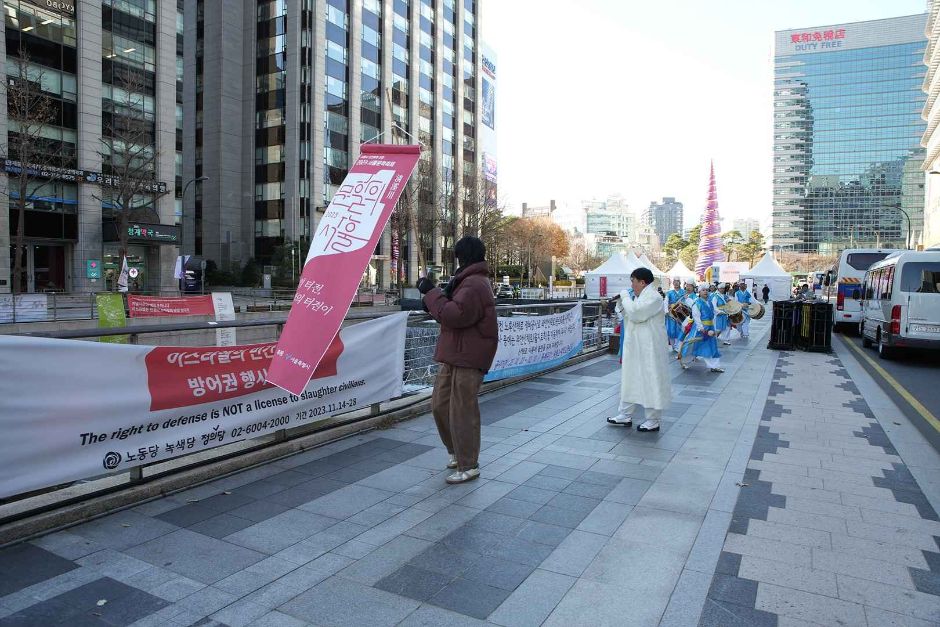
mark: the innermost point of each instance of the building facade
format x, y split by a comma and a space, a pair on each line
664, 218
283, 93
110, 73
610, 217
745, 226
931, 138
847, 130
539, 211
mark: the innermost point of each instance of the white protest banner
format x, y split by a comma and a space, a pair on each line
224, 312
72, 410
530, 344
25, 308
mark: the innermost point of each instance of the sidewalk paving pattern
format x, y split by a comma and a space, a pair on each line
771, 496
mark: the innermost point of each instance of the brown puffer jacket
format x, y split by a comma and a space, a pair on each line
469, 331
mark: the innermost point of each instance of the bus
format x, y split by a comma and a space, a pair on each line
853, 263
901, 303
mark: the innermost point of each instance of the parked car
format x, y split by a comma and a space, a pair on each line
901, 302
504, 291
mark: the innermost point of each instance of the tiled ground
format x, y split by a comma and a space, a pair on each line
574, 522
831, 527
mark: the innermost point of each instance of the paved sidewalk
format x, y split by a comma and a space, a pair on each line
770, 496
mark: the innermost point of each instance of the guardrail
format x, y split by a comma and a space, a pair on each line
65, 306
420, 369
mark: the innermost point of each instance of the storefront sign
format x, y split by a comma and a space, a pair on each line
78, 176
115, 407
530, 344
153, 306
93, 269
340, 252
110, 307
159, 233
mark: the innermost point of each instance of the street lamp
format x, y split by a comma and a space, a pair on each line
183, 208
908, 245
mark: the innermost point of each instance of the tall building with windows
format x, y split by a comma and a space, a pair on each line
103, 67
931, 138
282, 93
664, 218
745, 226
847, 129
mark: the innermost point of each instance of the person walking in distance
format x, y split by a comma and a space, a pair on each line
765, 291
466, 310
644, 377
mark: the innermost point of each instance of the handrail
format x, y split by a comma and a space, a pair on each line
142, 329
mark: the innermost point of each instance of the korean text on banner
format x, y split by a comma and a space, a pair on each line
530, 344
152, 306
110, 307
162, 402
341, 249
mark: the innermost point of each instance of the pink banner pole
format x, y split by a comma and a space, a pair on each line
342, 246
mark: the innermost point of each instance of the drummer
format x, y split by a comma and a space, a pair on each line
744, 297
704, 315
722, 324
673, 329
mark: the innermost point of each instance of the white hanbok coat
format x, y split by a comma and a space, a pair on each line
644, 377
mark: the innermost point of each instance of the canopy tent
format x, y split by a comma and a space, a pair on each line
613, 276
681, 271
645, 262
769, 272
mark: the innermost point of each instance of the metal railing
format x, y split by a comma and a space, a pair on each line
66, 306
419, 372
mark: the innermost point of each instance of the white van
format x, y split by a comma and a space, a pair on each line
901, 302
853, 262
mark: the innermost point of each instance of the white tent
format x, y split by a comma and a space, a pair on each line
681, 272
646, 263
769, 272
613, 275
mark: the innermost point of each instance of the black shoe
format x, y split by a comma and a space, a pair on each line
649, 425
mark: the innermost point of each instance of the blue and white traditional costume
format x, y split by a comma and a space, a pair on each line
722, 324
744, 297
707, 347
673, 329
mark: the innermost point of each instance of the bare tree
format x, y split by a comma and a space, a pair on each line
30, 154
129, 157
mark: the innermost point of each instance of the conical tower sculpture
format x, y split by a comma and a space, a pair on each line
709, 243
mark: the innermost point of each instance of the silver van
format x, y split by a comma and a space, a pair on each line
901, 302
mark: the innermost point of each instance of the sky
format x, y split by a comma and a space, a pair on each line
596, 97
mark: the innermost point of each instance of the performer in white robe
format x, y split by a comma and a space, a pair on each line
644, 378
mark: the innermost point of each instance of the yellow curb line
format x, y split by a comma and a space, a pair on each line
913, 402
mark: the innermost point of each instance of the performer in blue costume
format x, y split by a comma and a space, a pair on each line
707, 347
744, 297
673, 296
722, 324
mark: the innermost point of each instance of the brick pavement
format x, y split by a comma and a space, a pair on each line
573, 521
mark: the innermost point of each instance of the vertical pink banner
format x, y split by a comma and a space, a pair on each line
345, 239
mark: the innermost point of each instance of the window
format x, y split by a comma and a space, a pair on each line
922, 277
863, 261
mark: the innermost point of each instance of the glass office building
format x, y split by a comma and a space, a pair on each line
847, 127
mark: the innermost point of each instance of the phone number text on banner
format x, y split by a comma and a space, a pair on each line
530, 344
72, 410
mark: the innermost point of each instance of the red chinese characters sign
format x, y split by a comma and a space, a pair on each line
148, 306
345, 239
826, 35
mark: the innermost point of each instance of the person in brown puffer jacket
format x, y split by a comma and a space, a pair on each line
466, 310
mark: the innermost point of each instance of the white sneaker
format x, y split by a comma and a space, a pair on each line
621, 420
462, 476
649, 425
452, 462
